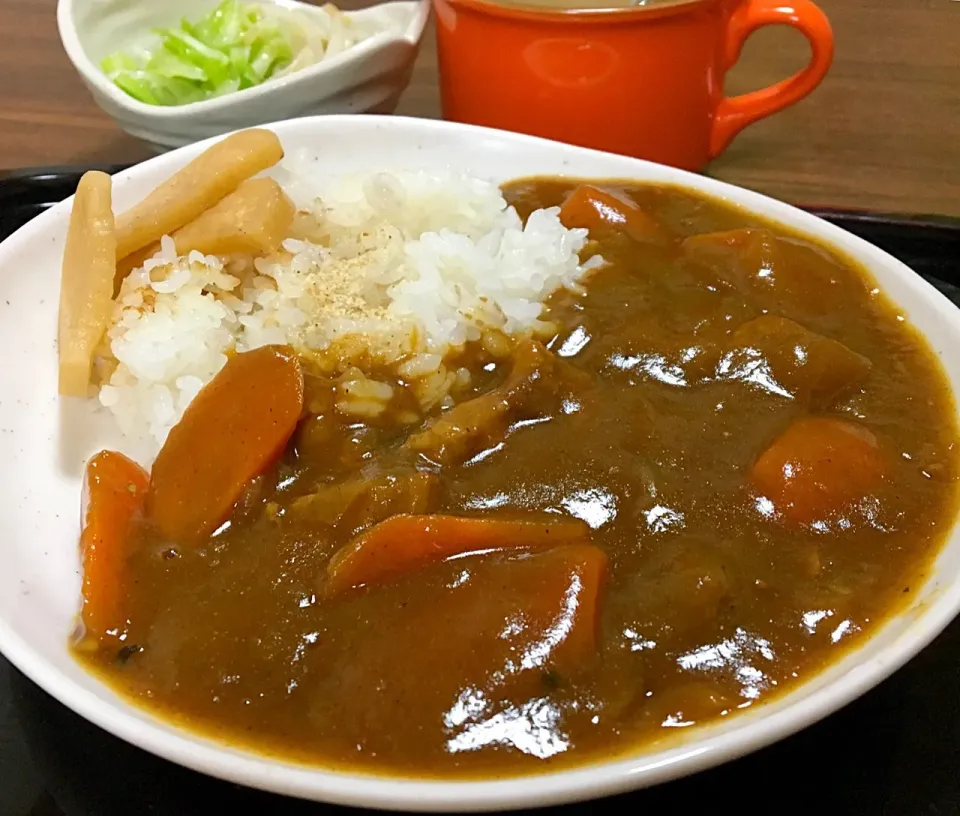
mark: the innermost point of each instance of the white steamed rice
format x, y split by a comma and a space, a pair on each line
388, 269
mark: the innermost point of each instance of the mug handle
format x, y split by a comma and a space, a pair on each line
733, 114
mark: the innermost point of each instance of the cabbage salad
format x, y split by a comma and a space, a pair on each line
233, 47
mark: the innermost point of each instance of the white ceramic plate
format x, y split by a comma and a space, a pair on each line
44, 442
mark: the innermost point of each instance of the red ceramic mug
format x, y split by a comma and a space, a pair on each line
642, 81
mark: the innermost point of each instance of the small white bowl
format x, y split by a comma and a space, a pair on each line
367, 78
44, 442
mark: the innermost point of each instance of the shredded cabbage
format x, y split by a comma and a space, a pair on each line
235, 46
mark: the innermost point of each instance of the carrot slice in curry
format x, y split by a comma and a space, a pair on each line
233, 429
114, 490
583, 571
406, 542
818, 466
459, 636
592, 208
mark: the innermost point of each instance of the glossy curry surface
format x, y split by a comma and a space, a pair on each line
760, 452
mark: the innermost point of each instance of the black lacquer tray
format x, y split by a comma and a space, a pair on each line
894, 751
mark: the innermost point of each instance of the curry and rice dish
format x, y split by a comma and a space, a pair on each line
434, 478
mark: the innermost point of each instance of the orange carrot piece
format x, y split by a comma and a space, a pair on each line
818, 466
557, 593
406, 542
458, 630
114, 489
585, 568
234, 428
593, 208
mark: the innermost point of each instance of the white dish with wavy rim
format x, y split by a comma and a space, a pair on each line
44, 442
369, 77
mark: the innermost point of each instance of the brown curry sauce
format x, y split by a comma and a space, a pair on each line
646, 423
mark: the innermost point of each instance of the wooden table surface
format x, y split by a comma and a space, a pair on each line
881, 132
